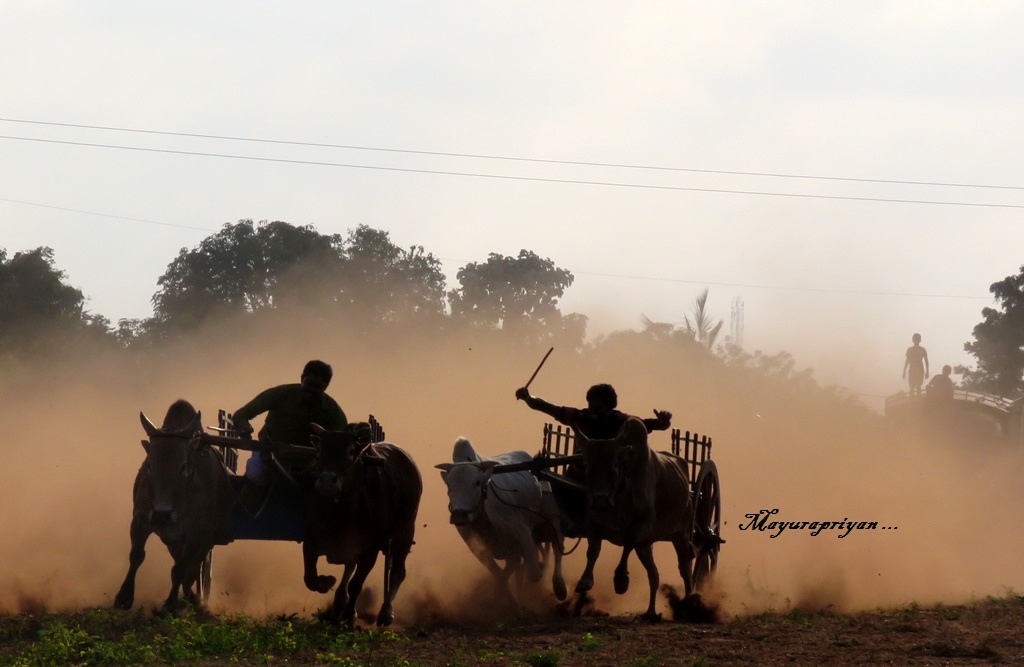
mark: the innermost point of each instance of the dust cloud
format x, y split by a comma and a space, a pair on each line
949, 512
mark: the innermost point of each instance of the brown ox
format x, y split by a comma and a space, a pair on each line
183, 494
364, 503
635, 497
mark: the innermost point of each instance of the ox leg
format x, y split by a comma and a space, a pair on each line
525, 561
314, 581
645, 552
171, 603
395, 575
557, 580
355, 587
685, 556
586, 581
340, 601
190, 578
549, 540
528, 549
482, 554
621, 576
188, 561
125, 597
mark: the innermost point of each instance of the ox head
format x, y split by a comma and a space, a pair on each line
336, 455
609, 465
170, 463
467, 488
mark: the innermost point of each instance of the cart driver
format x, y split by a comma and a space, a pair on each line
290, 408
599, 420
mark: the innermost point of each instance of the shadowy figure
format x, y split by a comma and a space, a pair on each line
600, 420
915, 368
940, 389
291, 408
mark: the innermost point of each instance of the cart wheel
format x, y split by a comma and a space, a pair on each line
707, 523
206, 577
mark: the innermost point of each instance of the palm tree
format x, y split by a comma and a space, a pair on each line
702, 327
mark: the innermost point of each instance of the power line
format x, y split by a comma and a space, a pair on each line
535, 179
105, 215
784, 288
578, 273
481, 156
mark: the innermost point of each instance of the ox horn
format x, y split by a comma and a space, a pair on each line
195, 425
148, 425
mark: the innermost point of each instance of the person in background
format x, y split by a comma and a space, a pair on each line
940, 389
915, 368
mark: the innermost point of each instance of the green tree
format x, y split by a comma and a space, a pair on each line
998, 343
388, 282
518, 295
35, 301
254, 268
243, 268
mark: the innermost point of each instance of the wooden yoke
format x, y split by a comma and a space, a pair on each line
535, 464
257, 445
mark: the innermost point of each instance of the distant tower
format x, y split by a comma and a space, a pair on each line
736, 322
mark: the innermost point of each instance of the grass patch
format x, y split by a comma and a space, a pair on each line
102, 637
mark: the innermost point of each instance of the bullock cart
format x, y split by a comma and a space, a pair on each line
276, 514
705, 505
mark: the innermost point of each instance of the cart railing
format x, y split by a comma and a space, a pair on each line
558, 443
690, 446
226, 427
693, 448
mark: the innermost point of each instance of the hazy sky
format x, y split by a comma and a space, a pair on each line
850, 170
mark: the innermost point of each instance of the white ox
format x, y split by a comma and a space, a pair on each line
511, 516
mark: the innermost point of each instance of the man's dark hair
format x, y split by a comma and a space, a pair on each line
319, 369
603, 393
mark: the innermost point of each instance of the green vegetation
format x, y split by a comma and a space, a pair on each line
998, 344
100, 637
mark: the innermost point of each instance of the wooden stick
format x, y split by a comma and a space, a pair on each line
527, 385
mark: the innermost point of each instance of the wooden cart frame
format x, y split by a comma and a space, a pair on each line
281, 515
705, 488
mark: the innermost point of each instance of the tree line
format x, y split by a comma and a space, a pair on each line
251, 270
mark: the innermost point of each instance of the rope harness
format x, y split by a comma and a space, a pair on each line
554, 529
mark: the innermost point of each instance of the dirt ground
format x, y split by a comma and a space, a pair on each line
985, 632
989, 631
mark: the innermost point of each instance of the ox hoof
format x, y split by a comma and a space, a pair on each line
321, 584
621, 580
167, 609
560, 591
386, 617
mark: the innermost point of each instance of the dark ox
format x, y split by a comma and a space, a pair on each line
364, 503
182, 493
636, 496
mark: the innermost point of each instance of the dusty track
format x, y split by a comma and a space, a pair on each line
985, 632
